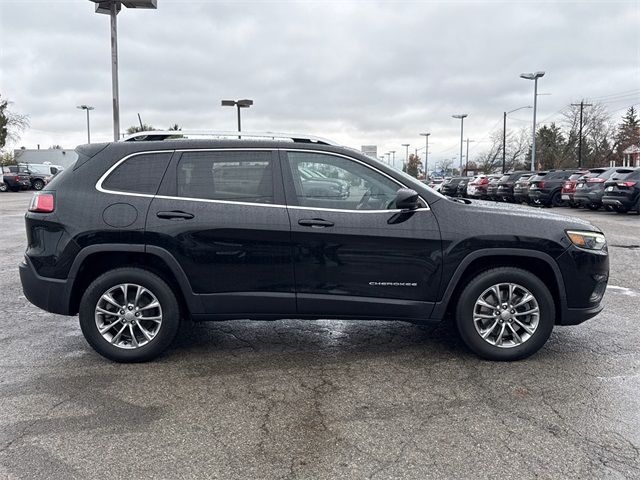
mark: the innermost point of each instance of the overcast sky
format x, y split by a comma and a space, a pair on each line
358, 72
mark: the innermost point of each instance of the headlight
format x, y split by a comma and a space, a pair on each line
588, 240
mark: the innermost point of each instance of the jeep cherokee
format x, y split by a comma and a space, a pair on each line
140, 233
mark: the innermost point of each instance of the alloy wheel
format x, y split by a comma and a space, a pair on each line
128, 315
506, 315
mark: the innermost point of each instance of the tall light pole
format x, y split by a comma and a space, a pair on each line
88, 108
393, 157
426, 154
533, 76
111, 8
245, 103
466, 168
504, 136
406, 157
461, 116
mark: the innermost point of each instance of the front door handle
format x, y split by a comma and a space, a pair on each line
315, 223
175, 215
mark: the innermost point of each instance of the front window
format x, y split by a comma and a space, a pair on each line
329, 181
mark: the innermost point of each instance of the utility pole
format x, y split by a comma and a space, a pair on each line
426, 154
581, 105
466, 168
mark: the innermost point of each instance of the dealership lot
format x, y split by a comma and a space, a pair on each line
325, 399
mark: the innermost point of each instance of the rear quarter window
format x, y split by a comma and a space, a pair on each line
138, 174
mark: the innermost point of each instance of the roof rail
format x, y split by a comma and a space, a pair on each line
158, 135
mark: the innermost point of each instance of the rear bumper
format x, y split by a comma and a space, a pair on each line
49, 294
586, 198
539, 196
626, 201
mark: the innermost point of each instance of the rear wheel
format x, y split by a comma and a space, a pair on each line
129, 315
556, 200
3, 187
505, 314
37, 184
620, 209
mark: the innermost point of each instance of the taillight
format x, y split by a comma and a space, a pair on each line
626, 184
540, 184
17, 178
595, 180
484, 181
42, 203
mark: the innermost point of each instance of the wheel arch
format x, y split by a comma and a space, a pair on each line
95, 260
538, 263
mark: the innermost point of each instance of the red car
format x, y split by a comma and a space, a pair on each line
569, 188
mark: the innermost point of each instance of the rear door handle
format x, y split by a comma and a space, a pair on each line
315, 223
175, 215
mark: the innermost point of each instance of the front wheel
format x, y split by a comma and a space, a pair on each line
505, 314
38, 185
129, 315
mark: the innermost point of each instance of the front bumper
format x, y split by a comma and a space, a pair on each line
50, 294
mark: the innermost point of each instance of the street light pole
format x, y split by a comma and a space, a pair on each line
406, 157
504, 136
245, 103
393, 158
426, 153
88, 108
533, 76
461, 116
112, 7
466, 168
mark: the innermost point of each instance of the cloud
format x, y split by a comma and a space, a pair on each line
359, 72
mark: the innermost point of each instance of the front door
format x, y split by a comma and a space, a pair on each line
355, 254
221, 215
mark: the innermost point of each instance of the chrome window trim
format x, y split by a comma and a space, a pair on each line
106, 174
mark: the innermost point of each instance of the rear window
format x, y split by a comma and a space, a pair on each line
139, 174
623, 174
576, 176
233, 176
599, 173
505, 178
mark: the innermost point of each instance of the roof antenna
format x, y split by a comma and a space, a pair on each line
140, 120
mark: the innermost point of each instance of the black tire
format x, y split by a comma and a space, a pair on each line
556, 200
620, 209
472, 291
37, 184
3, 187
148, 280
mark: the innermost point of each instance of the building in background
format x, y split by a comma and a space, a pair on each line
370, 150
631, 156
54, 156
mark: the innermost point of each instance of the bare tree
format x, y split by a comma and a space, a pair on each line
598, 135
11, 123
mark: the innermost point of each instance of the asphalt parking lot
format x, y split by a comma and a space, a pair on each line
323, 399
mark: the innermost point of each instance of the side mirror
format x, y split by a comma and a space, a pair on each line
407, 199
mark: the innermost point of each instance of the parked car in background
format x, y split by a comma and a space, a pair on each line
477, 187
15, 181
622, 191
3, 186
450, 186
462, 187
39, 173
492, 188
435, 183
506, 184
569, 187
521, 188
546, 188
590, 187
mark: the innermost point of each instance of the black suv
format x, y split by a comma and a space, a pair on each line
546, 187
622, 191
139, 234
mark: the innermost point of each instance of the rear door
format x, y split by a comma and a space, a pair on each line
220, 213
354, 253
